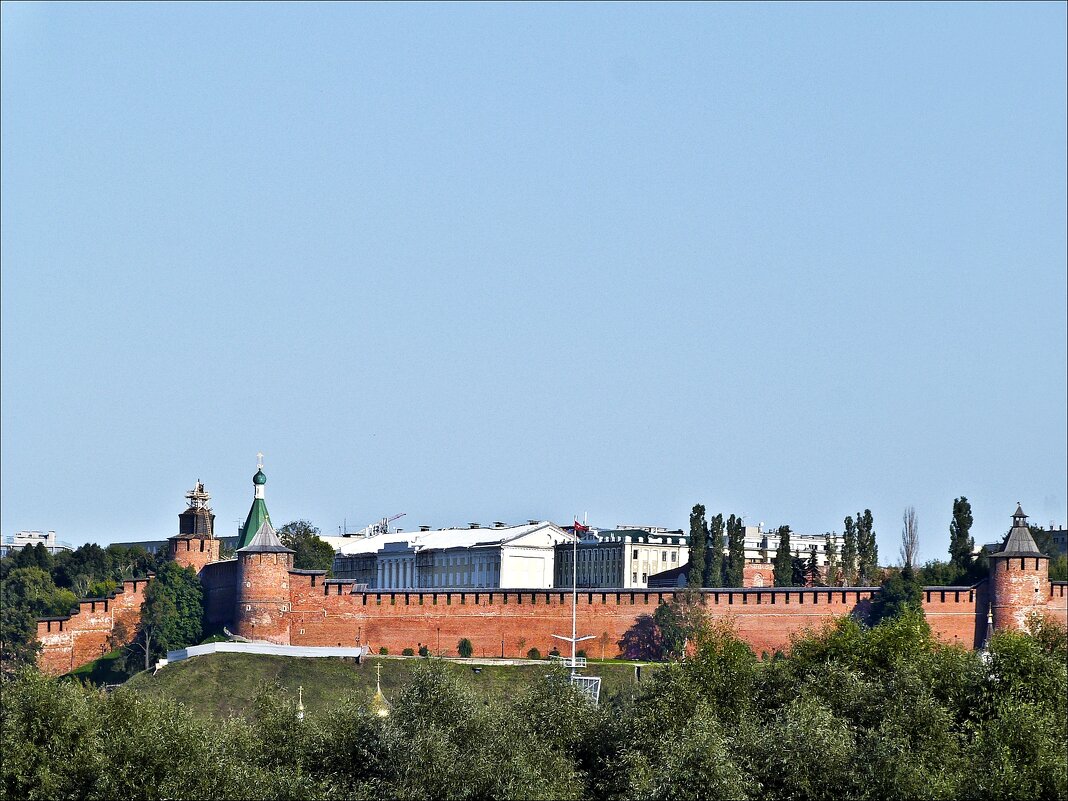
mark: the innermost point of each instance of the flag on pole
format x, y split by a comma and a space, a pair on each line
580, 529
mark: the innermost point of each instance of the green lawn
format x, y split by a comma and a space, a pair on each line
224, 684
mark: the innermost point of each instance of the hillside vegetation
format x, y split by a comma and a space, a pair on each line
224, 684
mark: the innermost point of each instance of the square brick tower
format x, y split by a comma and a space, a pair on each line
195, 544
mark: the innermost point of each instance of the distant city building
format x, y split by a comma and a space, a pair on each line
1059, 539
499, 556
620, 558
22, 539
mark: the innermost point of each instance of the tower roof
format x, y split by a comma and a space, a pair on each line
1019, 542
265, 541
257, 513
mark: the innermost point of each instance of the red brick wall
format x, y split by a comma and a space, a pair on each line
219, 581
195, 552
263, 596
72, 642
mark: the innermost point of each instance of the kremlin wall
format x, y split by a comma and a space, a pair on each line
259, 595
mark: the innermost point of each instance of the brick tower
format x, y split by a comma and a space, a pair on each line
195, 544
1019, 578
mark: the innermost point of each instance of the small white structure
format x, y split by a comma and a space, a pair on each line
28, 539
621, 557
474, 557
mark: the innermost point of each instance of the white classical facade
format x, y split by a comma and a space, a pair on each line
474, 557
621, 557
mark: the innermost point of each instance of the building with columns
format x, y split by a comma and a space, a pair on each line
501, 556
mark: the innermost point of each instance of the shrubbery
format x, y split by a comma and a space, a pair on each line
849, 712
464, 648
533, 653
408, 652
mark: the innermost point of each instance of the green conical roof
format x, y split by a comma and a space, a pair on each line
257, 516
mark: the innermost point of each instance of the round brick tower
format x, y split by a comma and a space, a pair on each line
195, 544
263, 566
1019, 578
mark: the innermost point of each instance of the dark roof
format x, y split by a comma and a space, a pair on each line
305, 572
1020, 542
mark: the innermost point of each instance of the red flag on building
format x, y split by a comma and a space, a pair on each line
580, 529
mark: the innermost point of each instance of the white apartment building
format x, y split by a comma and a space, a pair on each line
621, 558
760, 545
462, 558
28, 539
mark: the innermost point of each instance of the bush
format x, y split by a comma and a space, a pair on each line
533, 653
408, 652
581, 652
464, 648
383, 651
424, 650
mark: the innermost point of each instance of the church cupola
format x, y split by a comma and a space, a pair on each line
258, 513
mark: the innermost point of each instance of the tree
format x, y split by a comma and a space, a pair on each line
714, 566
18, 639
867, 549
849, 553
311, 553
784, 565
698, 540
834, 570
464, 648
172, 613
910, 538
735, 567
798, 575
812, 569
901, 592
32, 590
961, 543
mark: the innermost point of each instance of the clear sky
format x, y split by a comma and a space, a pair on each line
485, 262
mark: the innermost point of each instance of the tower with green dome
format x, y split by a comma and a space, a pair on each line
258, 514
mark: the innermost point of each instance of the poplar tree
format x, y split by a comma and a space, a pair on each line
784, 560
736, 553
867, 549
698, 541
849, 553
961, 543
834, 572
812, 568
714, 566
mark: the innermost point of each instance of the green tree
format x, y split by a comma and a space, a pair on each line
849, 553
32, 590
698, 540
834, 570
867, 549
961, 543
813, 576
464, 648
735, 567
311, 553
901, 592
714, 566
18, 640
784, 560
172, 613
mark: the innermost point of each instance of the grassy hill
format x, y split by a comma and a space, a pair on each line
224, 684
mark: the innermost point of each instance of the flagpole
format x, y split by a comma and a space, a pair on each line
574, 600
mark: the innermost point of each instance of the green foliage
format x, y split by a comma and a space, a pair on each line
940, 574
18, 639
424, 650
901, 592
833, 577
171, 615
784, 566
849, 552
714, 568
867, 549
408, 652
533, 653
698, 546
311, 553
383, 651
850, 712
734, 571
961, 543
1058, 568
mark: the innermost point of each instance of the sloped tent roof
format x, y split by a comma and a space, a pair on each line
1020, 541
265, 541
257, 516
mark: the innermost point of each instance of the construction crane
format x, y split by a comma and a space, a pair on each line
371, 529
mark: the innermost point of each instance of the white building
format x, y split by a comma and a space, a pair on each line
621, 557
23, 539
502, 556
760, 545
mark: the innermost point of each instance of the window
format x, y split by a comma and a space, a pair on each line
663, 556
635, 553
674, 556
248, 608
645, 576
248, 583
633, 576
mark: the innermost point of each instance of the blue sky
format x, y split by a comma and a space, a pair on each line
484, 262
